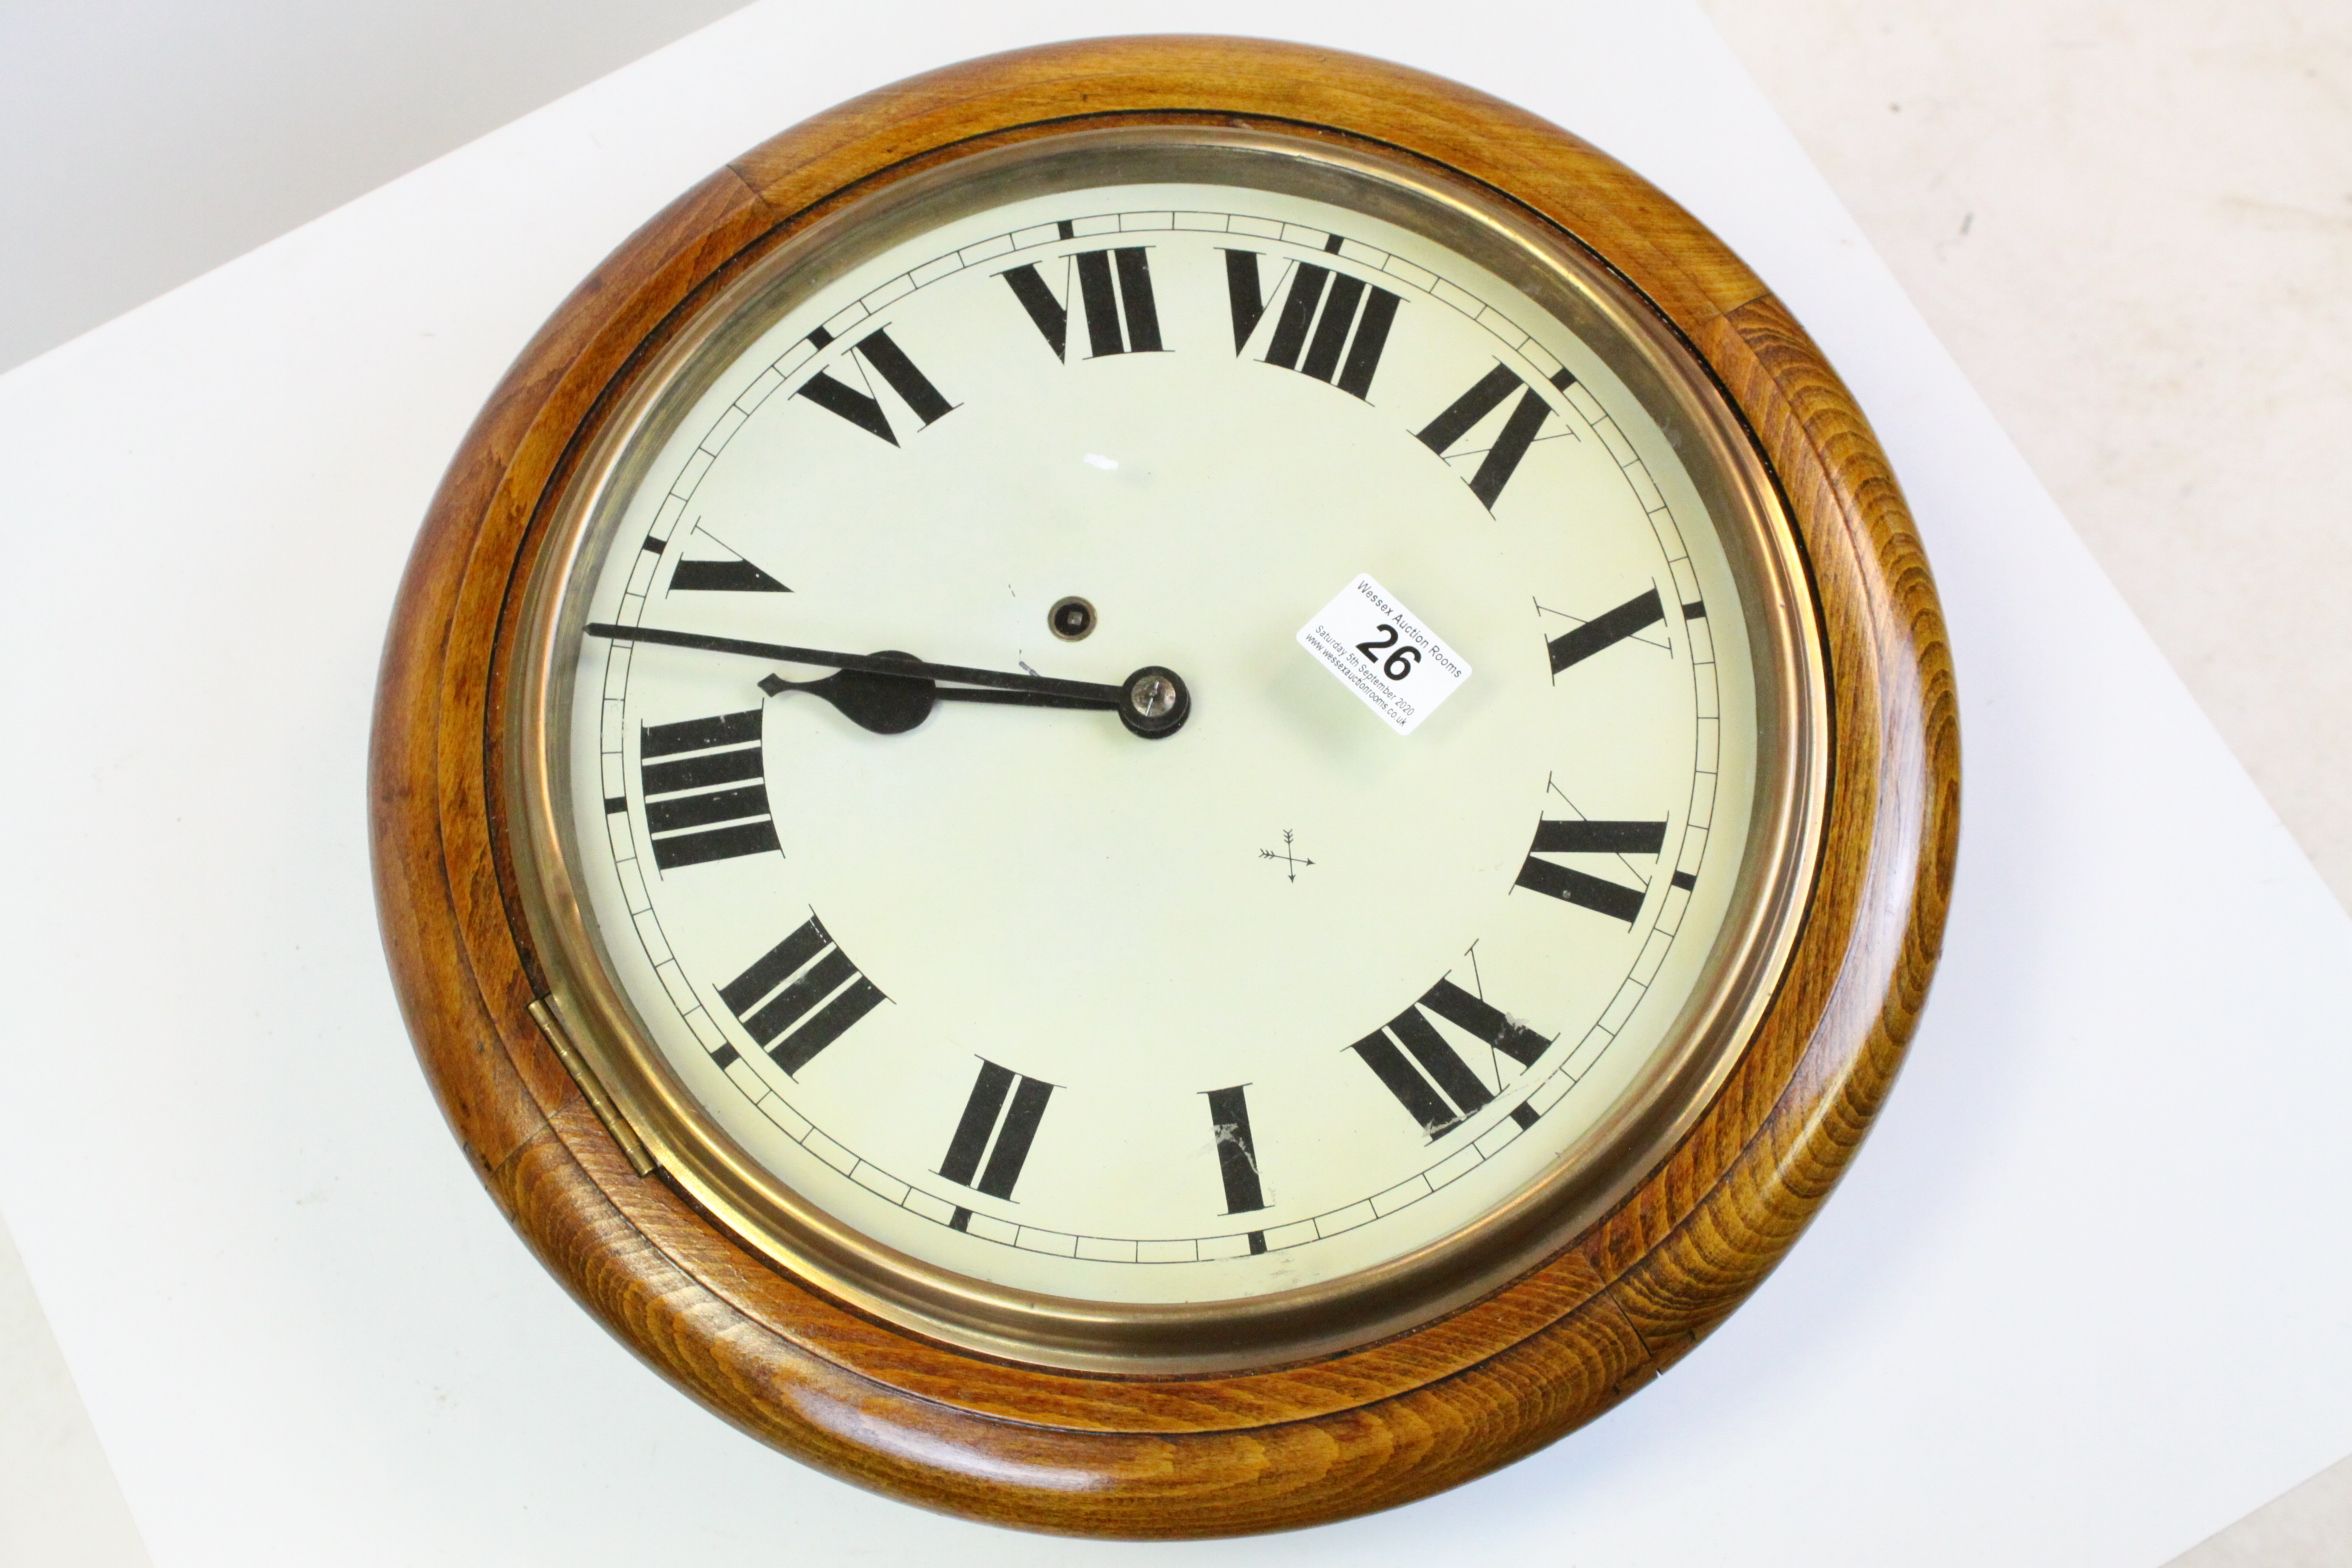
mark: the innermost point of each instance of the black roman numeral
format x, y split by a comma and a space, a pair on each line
691, 820
1607, 630
1237, 1150
728, 571
1437, 1088
1500, 461
1590, 838
861, 407
800, 997
1348, 318
988, 1130
1121, 317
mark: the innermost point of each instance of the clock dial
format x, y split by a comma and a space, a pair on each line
1011, 963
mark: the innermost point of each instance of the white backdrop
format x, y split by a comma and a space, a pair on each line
2083, 1299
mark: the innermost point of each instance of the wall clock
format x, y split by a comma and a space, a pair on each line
1165, 787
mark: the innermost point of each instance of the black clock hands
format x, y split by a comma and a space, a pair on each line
893, 664
893, 704
890, 693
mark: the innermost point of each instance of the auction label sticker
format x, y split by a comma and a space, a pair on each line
1376, 649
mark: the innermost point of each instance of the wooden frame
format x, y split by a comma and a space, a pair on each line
1166, 1456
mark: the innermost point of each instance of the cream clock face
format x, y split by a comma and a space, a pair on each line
1391, 917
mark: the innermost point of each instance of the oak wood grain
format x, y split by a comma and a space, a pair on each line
1167, 1456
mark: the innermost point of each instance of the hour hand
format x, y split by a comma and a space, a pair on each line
892, 704
890, 692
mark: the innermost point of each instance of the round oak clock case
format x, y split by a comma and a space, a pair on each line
1383, 1382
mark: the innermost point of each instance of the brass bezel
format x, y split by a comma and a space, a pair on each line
1608, 1162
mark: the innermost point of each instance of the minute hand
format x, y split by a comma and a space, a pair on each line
1088, 693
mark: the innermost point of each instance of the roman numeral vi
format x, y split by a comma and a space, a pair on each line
861, 407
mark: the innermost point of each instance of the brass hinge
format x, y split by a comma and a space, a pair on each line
551, 1025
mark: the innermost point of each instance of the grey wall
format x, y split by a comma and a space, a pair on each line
145, 141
